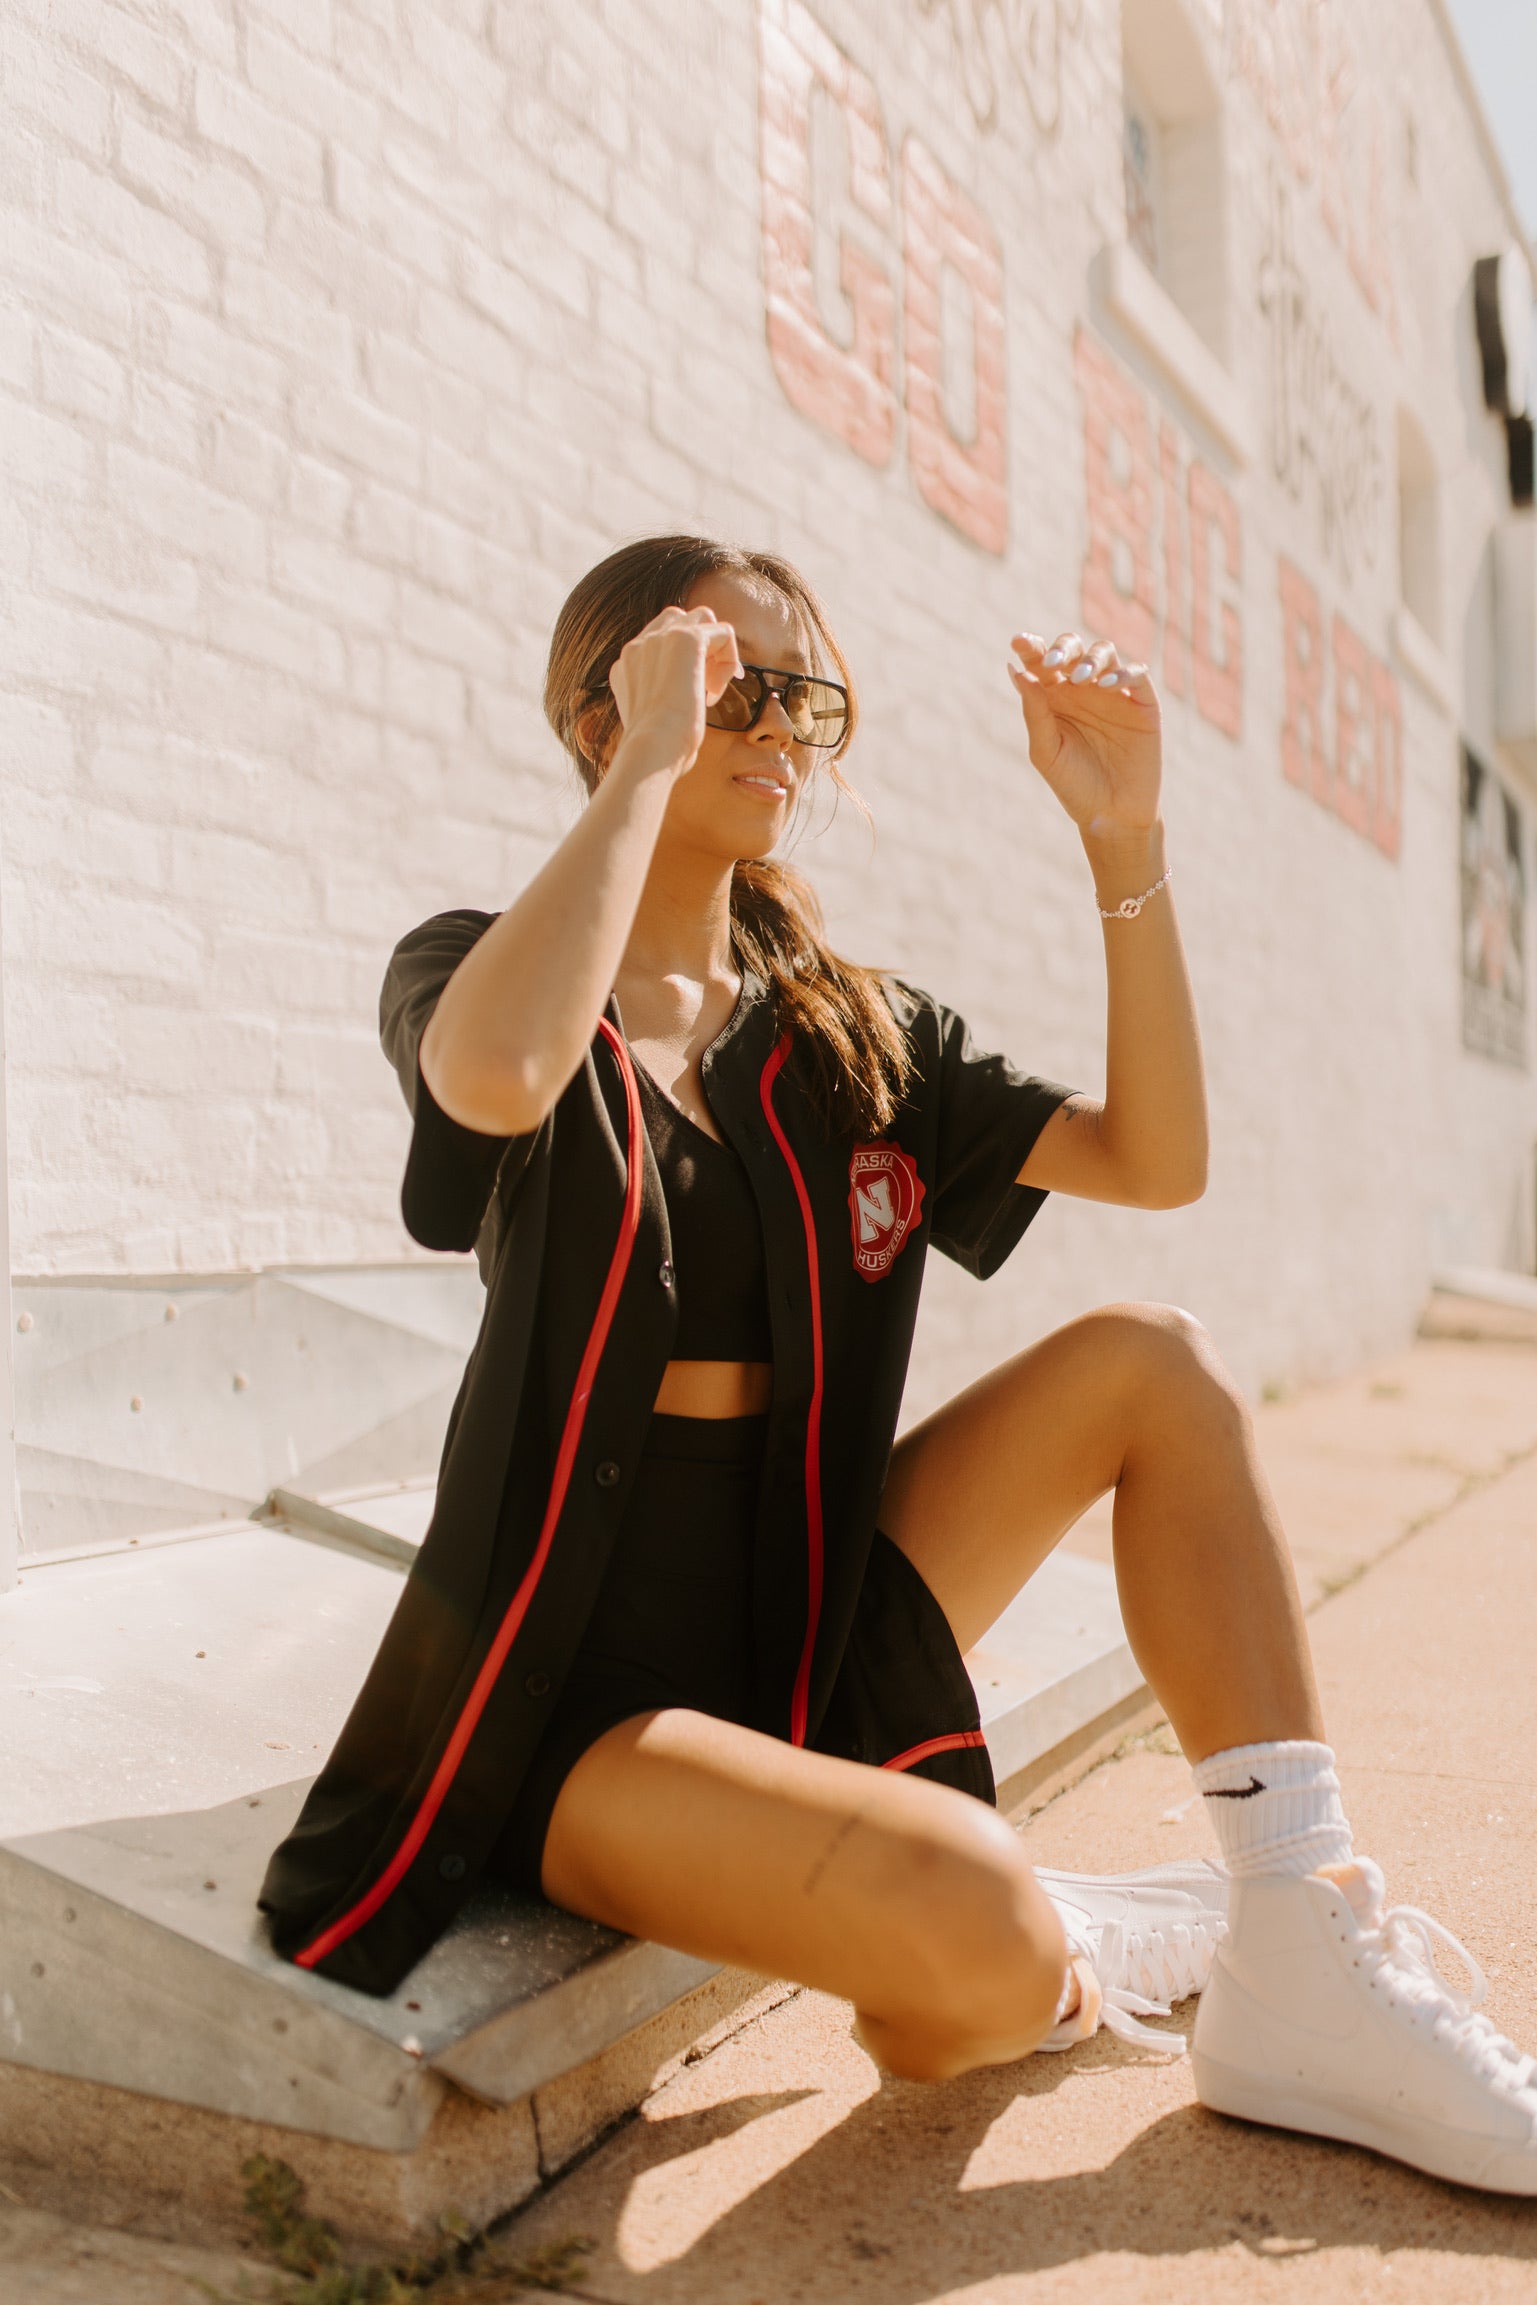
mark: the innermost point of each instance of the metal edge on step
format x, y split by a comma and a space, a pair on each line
570, 2022
148, 1542
306, 1516
272, 2051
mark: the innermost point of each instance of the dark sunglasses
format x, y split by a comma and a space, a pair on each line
817, 710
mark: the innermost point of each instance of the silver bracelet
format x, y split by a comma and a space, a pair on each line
1130, 906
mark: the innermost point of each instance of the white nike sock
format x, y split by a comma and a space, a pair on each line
1275, 1808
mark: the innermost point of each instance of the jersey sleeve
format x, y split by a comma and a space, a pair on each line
990, 1114
451, 1171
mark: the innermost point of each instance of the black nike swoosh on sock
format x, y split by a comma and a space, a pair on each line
1237, 1792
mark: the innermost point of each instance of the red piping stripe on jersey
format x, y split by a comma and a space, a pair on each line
951, 1744
800, 1700
517, 1608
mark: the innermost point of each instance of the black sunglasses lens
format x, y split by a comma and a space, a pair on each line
816, 710
737, 705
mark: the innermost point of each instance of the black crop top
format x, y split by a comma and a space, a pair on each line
717, 1239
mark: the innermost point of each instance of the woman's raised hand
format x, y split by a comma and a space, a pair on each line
1094, 731
667, 677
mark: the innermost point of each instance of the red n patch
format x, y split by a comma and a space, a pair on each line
885, 1203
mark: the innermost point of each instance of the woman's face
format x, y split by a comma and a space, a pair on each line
737, 798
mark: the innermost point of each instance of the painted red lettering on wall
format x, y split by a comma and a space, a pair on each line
1300, 59
1354, 768
840, 368
964, 479
1304, 757
848, 388
1388, 726
1176, 666
1120, 592
1128, 498
1216, 631
1361, 779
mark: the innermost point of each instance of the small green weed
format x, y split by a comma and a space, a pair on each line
274, 2199
466, 2268
1160, 1738
1341, 1580
553, 2265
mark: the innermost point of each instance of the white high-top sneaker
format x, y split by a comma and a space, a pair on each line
1326, 2012
1147, 1939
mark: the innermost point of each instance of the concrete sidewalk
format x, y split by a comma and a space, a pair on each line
781, 2169
778, 2168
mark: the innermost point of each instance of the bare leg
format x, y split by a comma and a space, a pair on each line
1134, 1398
908, 1899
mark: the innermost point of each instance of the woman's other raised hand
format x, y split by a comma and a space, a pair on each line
1094, 731
665, 680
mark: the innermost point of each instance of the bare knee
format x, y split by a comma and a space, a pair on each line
979, 1957
1167, 1357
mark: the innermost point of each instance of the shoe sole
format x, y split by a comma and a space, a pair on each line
1174, 1874
1492, 2168
1170, 1875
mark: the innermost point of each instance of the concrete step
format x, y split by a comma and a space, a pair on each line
1055, 1661
163, 1711
146, 1407
1477, 1306
150, 1970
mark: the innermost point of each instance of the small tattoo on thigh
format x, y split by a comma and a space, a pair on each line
835, 1842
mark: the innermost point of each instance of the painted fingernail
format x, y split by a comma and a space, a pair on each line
1110, 680
1081, 671
1051, 659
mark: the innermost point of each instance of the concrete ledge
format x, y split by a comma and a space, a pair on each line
108, 2156
1041, 1780
150, 2039
1055, 1664
1478, 1307
136, 1956
1488, 1286
147, 1405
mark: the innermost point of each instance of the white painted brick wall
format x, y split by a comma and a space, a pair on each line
337, 337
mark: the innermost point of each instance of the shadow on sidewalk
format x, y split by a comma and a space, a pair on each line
887, 2206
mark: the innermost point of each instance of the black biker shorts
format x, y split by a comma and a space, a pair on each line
673, 1626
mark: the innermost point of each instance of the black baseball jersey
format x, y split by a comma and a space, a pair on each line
570, 1228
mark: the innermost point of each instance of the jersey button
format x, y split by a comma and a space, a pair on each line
451, 1868
665, 1273
537, 1685
606, 1474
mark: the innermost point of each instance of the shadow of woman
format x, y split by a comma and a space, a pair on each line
885, 2206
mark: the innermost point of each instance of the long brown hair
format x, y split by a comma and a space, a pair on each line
848, 1051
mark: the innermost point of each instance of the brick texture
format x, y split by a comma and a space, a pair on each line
338, 337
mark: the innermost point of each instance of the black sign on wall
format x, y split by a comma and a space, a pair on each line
1502, 316
1494, 998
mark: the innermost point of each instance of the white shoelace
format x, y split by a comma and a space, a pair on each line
1401, 1951
1142, 1972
